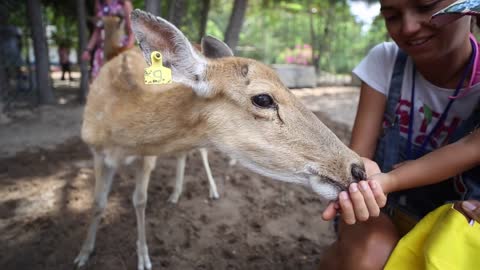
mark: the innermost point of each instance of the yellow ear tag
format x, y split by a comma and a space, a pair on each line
157, 73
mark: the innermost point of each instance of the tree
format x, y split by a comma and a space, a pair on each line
42, 67
153, 6
203, 19
177, 12
4, 78
82, 44
325, 41
235, 24
314, 41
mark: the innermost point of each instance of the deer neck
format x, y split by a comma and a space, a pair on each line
113, 30
178, 121
151, 121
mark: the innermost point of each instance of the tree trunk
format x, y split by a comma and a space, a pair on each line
4, 79
42, 66
235, 23
203, 19
82, 44
153, 6
4, 82
177, 12
313, 37
323, 41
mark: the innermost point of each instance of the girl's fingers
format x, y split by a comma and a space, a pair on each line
329, 212
370, 201
472, 209
380, 197
358, 201
348, 214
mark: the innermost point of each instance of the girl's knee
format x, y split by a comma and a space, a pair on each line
368, 245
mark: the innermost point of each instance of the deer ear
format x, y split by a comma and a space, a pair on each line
215, 48
157, 34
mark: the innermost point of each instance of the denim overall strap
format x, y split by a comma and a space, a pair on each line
390, 154
470, 180
468, 125
395, 87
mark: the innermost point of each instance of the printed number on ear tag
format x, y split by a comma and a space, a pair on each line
157, 73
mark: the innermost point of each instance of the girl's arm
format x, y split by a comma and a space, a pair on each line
86, 55
93, 39
368, 121
435, 166
429, 169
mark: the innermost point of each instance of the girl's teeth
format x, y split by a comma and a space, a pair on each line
417, 42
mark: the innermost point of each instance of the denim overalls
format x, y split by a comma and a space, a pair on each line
415, 203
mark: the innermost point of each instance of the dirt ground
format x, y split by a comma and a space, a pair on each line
46, 183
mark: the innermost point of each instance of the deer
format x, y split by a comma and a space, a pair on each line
236, 105
180, 173
114, 31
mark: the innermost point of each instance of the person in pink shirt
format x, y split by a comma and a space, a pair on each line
119, 8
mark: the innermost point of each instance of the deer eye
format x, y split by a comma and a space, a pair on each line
263, 101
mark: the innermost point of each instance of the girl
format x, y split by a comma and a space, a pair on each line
418, 94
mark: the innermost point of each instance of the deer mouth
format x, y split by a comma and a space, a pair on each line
314, 173
325, 186
332, 182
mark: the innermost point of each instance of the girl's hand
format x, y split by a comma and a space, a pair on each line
362, 201
471, 209
371, 167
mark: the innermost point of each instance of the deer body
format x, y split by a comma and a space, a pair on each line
235, 104
140, 119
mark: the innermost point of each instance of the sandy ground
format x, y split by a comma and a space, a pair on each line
46, 183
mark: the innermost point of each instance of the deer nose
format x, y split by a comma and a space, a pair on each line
358, 172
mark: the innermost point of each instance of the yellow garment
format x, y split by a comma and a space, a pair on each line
442, 240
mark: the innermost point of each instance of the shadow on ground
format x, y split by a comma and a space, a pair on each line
257, 223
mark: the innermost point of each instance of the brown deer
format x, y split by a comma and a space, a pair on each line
114, 31
235, 104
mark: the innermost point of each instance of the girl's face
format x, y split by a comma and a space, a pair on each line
408, 23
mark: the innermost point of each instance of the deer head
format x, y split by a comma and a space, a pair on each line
249, 113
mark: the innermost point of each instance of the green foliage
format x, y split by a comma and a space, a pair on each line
376, 33
64, 33
191, 21
218, 17
271, 27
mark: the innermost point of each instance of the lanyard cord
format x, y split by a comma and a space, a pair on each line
443, 116
412, 110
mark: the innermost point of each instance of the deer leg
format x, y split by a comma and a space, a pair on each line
179, 178
139, 202
103, 180
212, 186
